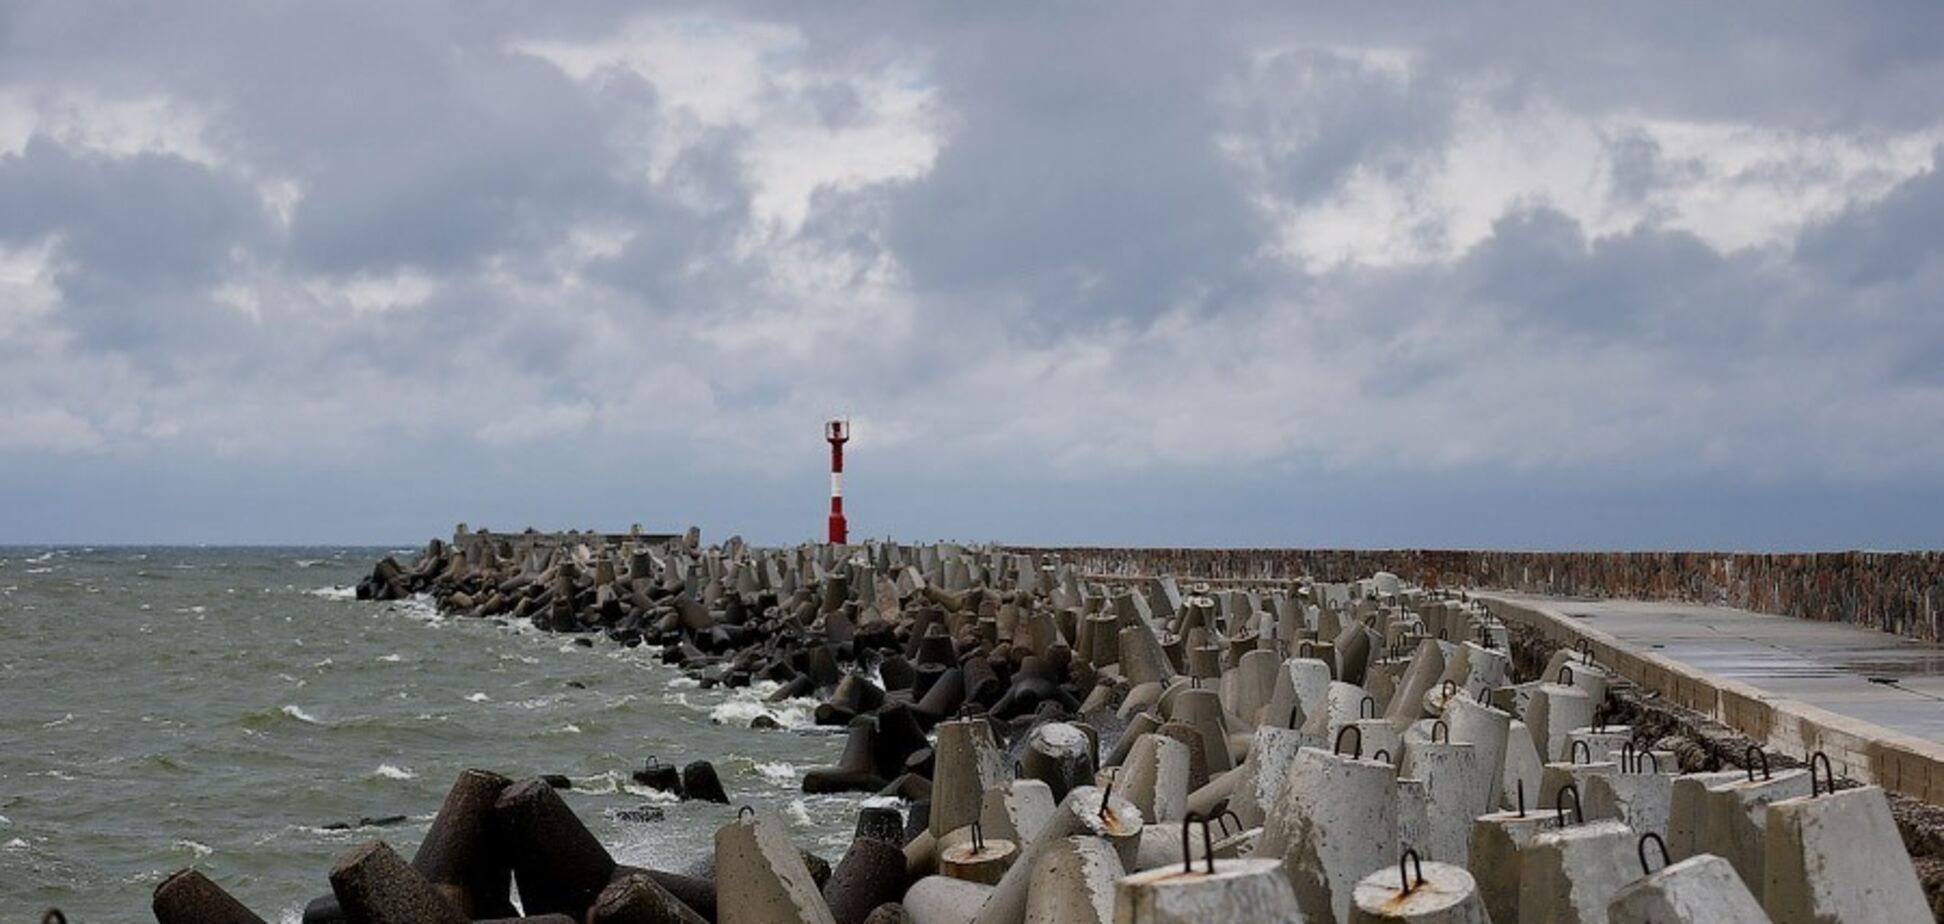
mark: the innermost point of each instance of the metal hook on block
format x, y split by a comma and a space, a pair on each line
1645, 869
1416, 861
1579, 810
1829, 771
1337, 750
1208, 844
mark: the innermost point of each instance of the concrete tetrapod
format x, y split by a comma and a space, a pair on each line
1271, 754
1497, 842
771, 881
1250, 686
1060, 755
1568, 875
1641, 797
1335, 820
374, 885
1556, 776
1422, 893
1016, 811
1407, 703
942, 900
1697, 890
188, 897
1202, 709
1225, 891
1141, 658
456, 855
1302, 687
1523, 768
871, 873
968, 761
1453, 795
1734, 820
1555, 710
560, 865
977, 859
636, 898
1685, 810
1073, 881
1488, 730
1836, 858
1155, 778
1082, 812
1342, 703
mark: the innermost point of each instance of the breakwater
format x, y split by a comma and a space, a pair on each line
1057, 748
1897, 592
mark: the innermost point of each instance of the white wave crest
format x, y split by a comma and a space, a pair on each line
334, 593
200, 850
300, 715
778, 773
800, 814
479, 698
391, 772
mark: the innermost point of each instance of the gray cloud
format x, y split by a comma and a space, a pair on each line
1035, 251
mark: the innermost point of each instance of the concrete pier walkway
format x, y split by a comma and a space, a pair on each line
1860, 673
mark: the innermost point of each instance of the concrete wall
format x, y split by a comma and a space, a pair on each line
1896, 592
1858, 750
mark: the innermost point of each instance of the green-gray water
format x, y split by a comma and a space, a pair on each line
217, 708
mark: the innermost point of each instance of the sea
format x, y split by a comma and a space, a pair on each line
238, 711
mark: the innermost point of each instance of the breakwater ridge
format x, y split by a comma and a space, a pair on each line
1038, 735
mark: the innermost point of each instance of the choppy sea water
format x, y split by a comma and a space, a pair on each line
218, 708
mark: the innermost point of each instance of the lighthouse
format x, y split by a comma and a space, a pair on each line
837, 433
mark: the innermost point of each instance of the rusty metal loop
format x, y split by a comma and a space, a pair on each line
1645, 870
1584, 645
1438, 725
1370, 701
745, 812
54, 916
1295, 712
1650, 757
1305, 648
1337, 749
1416, 861
1223, 820
1381, 754
1748, 760
1564, 675
1587, 657
1579, 747
1208, 844
978, 838
1107, 793
1628, 762
1441, 635
1522, 798
1559, 804
1829, 770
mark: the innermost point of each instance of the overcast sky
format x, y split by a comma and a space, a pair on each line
1412, 274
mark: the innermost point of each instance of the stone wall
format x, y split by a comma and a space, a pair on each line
1896, 592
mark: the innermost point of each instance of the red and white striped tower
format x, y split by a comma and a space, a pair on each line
837, 433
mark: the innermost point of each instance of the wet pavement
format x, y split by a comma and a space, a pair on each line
1861, 673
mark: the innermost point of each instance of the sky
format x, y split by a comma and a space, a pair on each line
1511, 275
